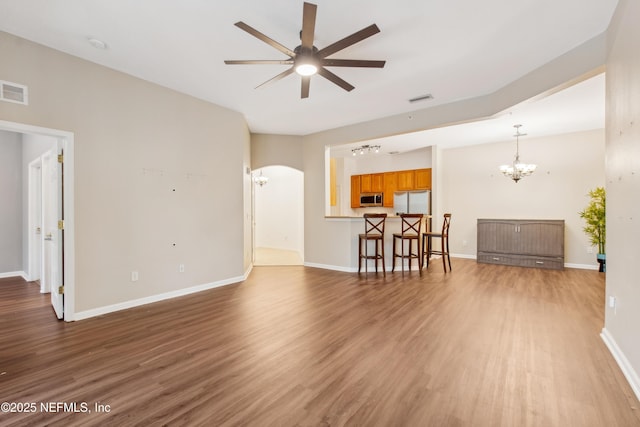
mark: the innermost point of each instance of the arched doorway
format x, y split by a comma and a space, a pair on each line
278, 217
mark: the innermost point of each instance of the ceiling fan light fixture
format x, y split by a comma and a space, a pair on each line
306, 64
306, 69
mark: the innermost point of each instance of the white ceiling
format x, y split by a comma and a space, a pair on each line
452, 49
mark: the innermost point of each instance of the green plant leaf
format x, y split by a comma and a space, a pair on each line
594, 215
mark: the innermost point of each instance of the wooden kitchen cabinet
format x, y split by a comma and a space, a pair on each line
365, 183
422, 179
387, 183
390, 182
355, 191
371, 183
377, 182
406, 180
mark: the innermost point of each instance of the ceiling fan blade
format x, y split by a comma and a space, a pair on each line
349, 40
352, 63
282, 75
335, 79
308, 25
260, 61
306, 80
265, 39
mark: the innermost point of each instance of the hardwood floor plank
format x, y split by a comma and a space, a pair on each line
484, 345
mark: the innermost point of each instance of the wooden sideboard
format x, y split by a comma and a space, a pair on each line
521, 242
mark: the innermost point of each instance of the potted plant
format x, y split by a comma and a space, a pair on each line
595, 228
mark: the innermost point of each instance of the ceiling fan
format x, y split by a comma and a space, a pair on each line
306, 59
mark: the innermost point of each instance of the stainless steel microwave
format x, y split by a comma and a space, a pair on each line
370, 199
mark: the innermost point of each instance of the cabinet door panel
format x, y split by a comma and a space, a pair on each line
355, 191
507, 238
541, 238
377, 182
365, 183
390, 183
486, 236
423, 179
406, 180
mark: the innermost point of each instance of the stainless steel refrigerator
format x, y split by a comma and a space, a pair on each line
412, 202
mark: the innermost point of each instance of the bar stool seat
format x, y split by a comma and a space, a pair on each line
373, 231
410, 232
427, 244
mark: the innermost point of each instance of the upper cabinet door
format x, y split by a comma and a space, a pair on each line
406, 180
355, 191
377, 182
390, 182
365, 183
423, 179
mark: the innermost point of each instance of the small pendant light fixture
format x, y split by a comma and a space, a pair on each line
517, 170
260, 179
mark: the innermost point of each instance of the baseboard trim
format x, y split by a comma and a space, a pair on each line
331, 267
627, 370
581, 266
155, 298
462, 256
14, 274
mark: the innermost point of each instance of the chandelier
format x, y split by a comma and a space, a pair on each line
365, 149
260, 179
517, 170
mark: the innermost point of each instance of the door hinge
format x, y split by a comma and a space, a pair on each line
61, 224
61, 290
60, 158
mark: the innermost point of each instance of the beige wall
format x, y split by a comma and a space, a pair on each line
276, 150
568, 167
622, 323
153, 169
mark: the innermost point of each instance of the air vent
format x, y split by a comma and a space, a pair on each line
421, 98
13, 92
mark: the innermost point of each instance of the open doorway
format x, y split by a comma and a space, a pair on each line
278, 217
45, 219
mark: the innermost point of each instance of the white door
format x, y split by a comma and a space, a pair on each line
52, 234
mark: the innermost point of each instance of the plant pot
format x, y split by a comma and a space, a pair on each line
602, 260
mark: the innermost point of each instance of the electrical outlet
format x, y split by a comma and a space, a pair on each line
612, 302
181, 268
134, 276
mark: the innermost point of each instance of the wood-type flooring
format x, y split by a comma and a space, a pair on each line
484, 345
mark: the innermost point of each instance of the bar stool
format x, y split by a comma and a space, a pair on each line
410, 232
444, 240
373, 231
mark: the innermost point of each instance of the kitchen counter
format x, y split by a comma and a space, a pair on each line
352, 226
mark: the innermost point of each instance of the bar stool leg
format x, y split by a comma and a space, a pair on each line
384, 272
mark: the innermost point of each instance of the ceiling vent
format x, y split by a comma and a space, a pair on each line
13, 92
421, 98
